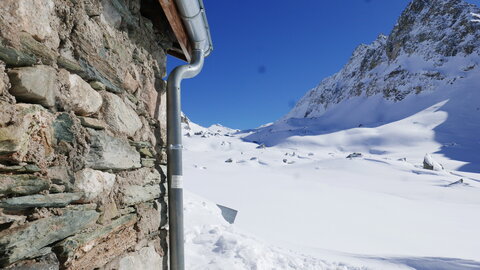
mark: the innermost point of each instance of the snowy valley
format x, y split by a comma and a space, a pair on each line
343, 180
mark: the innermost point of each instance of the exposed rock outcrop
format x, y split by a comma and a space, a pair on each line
418, 56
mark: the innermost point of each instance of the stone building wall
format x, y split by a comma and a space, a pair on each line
82, 158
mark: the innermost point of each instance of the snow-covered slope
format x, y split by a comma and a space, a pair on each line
447, 121
314, 208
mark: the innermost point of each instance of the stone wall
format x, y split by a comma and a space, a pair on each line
82, 157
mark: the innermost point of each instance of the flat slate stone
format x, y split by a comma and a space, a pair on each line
45, 259
13, 57
49, 200
30, 168
146, 152
19, 242
70, 65
140, 144
33, 47
119, 116
69, 246
90, 73
97, 85
91, 123
137, 194
34, 84
148, 162
108, 152
4, 218
80, 97
19, 185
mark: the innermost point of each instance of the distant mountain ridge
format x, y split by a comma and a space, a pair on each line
434, 43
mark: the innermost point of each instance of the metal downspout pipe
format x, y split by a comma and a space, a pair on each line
194, 19
174, 154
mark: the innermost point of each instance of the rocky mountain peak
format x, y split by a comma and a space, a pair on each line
420, 54
445, 23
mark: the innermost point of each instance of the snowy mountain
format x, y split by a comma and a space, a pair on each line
434, 44
430, 61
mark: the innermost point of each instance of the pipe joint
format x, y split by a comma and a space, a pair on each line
175, 147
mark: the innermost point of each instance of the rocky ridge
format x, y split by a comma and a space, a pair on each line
433, 43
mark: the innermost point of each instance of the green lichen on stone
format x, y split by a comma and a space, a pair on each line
62, 127
97, 85
15, 58
148, 162
146, 152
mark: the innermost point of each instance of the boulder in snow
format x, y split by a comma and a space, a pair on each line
354, 155
459, 182
261, 146
430, 164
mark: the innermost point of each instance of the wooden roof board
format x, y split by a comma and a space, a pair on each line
175, 21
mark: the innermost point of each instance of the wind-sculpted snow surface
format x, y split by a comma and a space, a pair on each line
314, 208
435, 43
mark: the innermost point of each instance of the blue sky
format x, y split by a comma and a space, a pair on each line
268, 54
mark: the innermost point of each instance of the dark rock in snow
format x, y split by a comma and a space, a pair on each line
430, 164
456, 183
261, 146
354, 155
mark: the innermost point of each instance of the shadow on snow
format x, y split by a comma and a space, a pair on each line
458, 135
